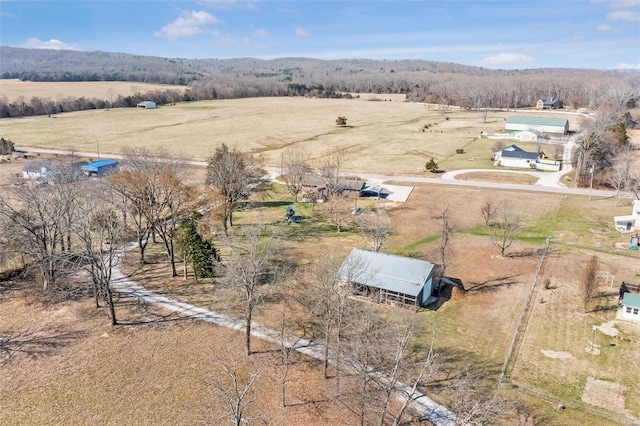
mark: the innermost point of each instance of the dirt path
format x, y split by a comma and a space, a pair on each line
431, 411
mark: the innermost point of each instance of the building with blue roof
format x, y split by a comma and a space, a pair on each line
100, 167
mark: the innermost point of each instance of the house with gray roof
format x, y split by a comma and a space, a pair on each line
543, 125
548, 103
514, 156
387, 278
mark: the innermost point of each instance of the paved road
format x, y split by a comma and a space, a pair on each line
545, 185
435, 413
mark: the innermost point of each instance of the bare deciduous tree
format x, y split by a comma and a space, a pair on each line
339, 210
331, 171
375, 227
100, 229
249, 270
488, 210
38, 213
447, 228
139, 184
589, 281
477, 401
621, 174
235, 386
234, 174
295, 168
504, 226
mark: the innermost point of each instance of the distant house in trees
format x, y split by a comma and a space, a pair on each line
548, 103
396, 280
628, 223
346, 186
542, 125
37, 170
514, 156
147, 105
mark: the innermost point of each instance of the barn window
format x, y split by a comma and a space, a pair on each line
635, 311
628, 310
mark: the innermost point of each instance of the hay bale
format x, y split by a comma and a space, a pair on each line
457, 293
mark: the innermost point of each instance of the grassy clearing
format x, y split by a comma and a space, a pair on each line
380, 136
15, 89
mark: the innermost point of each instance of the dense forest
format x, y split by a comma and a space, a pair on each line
421, 81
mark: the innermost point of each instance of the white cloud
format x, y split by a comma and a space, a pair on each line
624, 16
261, 33
301, 32
506, 59
625, 66
606, 28
53, 44
187, 25
229, 4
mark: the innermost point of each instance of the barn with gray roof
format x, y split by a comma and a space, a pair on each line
391, 279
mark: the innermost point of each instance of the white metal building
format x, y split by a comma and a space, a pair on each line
147, 105
544, 125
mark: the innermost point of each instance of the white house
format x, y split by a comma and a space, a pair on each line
147, 105
392, 279
514, 156
37, 170
628, 223
544, 125
630, 307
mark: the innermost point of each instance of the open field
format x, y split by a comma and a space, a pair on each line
151, 362
14, 89
381, 137
146, 365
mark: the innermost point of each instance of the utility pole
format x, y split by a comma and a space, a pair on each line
98, 146
591, 181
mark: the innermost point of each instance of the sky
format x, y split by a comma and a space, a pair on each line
516, 34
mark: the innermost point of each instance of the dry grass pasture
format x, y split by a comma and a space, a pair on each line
381, 137
163, 363
153, 369
14, 89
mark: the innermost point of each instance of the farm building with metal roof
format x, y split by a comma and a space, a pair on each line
545, 125
392, 279
99, 167
147, 105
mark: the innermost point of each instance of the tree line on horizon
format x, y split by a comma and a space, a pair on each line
472, 88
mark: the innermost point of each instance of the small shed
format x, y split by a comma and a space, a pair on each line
387, 278
147, 105
630, 307
100, 167
527, 136
543, 125
514, 156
